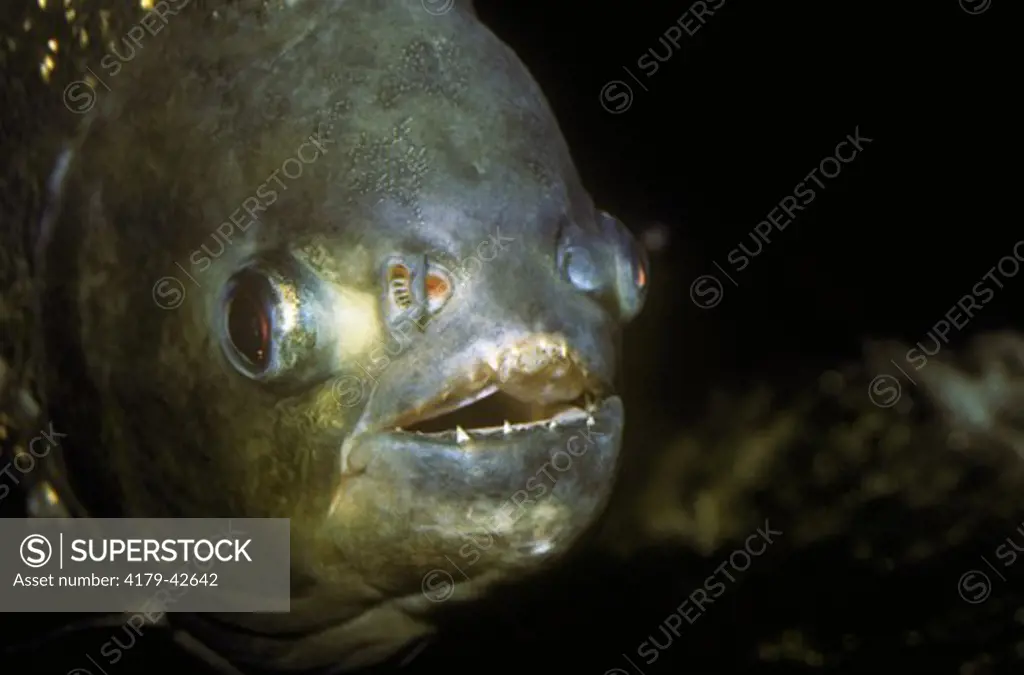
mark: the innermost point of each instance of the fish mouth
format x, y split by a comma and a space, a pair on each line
490, 412
537, 385
519, 452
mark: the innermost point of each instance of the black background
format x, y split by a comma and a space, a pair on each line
725, 129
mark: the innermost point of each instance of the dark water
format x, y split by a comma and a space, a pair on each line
863, 578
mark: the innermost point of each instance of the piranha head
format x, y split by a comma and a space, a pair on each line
335, 264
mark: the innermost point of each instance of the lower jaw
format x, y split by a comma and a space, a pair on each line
496, 505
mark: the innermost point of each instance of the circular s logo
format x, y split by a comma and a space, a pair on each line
79, 97
168, 293
36, 550
884, 391
975, 6
616, 97
348, 391
437, 585
437, 7
974, 587
706, 291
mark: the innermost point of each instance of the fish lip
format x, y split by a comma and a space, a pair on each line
444, 402
484, 380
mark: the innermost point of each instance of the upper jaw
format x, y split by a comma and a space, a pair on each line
543, 378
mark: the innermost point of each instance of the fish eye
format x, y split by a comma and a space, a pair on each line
633, 266
269, 323
250, 306
634, 276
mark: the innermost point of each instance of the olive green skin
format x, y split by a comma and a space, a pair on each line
422, 136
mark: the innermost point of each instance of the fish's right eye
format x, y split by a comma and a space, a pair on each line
249, 314
269, 324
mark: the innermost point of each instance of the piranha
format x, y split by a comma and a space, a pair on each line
333, 263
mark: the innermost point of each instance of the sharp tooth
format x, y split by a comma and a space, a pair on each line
591, 421
460, 435
552, 424
507, 428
